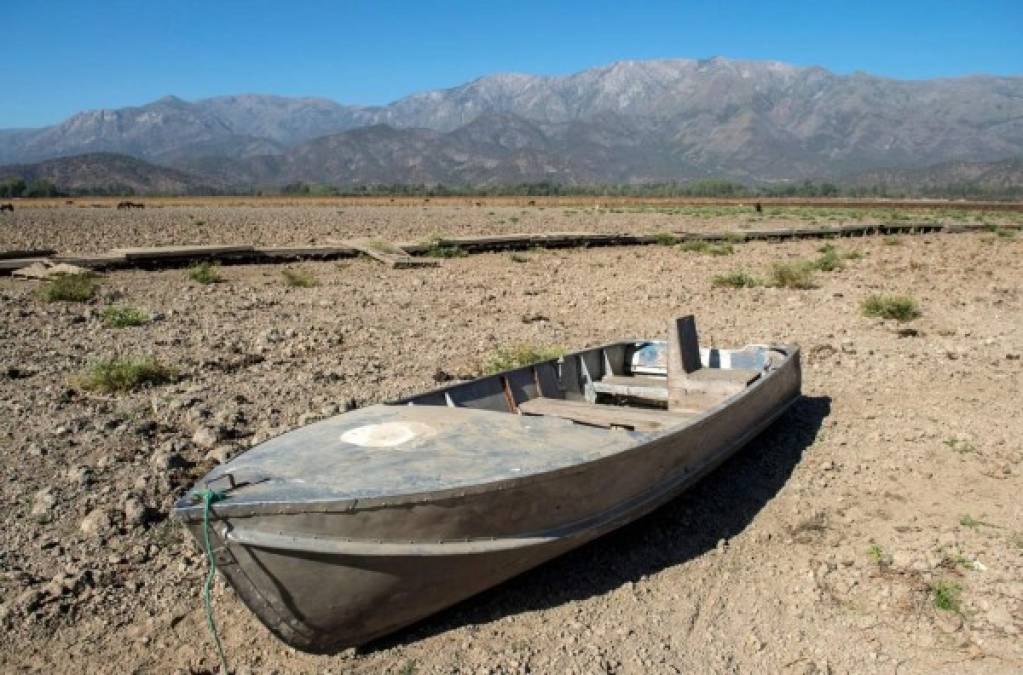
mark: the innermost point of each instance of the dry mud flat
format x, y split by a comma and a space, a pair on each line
74, 230
823, 546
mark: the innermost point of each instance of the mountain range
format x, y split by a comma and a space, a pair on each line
628, 122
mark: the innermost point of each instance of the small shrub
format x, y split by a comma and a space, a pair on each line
69, 288
960, 445
204, 273
438, 251
945, 595
298, 278
792, 275
706, 247
121, 375
124, 317
892, 241
969, 521
829, 261
736, 279
519, 257
665, 239
898, 307
507, 358
878, 555
853, 255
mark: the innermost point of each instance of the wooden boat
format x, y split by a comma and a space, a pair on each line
350, 528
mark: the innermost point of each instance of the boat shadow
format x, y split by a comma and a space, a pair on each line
720, 506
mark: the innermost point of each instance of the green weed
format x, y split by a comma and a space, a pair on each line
122, 375
898, 307
69, 288
204, 273
124, 317
516, 356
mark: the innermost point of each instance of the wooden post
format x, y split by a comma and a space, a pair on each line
683, 358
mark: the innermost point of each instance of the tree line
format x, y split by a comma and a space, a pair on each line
17, 187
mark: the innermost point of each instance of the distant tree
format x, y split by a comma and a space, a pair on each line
12, 187
41, 188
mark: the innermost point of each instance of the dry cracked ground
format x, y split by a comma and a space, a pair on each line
876, 527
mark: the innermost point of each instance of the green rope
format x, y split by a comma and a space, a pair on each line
209, 497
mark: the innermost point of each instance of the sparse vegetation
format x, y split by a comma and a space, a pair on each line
736, 279
829, 260
438, 251
519, 257
205, 273
796, 275
121, 375
665, 239
69, 288
892, 241
945, 595
516, 356
878, 555
298, 278
898, 307
960, 445
969, 521
706, 247
124, 317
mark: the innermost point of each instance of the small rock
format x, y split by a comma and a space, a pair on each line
97, 523
79, 475
222, 453
135, 512
206, 437
166, 461
42, 504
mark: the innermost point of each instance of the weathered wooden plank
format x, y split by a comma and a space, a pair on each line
97, 261
300, 252
389, 254
17, 263
27, 253
178, 252
599, 415
633, 386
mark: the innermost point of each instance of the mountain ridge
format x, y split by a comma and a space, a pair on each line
629, 121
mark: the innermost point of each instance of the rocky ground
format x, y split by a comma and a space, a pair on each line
826, 545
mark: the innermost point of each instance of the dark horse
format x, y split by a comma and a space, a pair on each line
130, 205
6, 207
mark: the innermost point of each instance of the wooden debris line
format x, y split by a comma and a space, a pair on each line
415, 254
390, 254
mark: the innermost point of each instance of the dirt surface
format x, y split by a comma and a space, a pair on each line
73, 230
818, 548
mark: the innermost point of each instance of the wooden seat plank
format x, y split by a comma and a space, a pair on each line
600, 415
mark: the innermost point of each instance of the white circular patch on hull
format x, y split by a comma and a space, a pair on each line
387, 434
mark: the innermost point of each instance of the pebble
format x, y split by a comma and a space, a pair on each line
207, 437
97, 523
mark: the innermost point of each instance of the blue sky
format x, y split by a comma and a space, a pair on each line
59, 57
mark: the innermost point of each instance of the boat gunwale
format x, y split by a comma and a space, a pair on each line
603, 522
192, 511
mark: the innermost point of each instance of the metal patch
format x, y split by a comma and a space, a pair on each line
386, 434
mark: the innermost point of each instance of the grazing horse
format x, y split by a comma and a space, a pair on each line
130, 205
6, 207
758, 207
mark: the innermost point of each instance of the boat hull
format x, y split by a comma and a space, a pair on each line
339, 575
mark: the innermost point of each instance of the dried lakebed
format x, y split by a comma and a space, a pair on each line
874, 528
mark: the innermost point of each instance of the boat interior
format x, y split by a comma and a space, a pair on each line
637, 385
